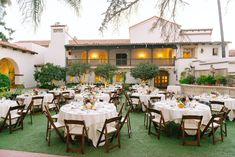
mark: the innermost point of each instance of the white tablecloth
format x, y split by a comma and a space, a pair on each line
59, 91
28, 98
228, 102
94, 119
173, 88
172, 112
146, 97
101, 96
5, 105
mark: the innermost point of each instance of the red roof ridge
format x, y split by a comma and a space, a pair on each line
16, 47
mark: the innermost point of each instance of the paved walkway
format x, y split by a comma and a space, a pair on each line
12, 153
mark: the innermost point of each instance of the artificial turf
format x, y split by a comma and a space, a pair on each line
32, 139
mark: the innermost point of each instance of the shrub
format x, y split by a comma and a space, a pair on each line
201, 79
4, 83
188, 80
145, 71
48, 74
206, 80
220, 79
210, 80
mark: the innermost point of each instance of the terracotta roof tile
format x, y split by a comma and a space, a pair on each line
16, 47
44, 43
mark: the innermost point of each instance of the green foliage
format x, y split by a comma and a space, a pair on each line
145, 71
48, 74
206, 80
220, 79
187, 80
77, 69
107, 71
4, 83
11, 94
201, 80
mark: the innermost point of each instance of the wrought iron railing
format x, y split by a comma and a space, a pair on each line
125, 62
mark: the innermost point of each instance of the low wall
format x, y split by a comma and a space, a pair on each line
199, 89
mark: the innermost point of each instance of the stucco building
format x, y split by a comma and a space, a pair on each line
184, 48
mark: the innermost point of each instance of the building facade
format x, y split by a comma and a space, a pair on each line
183, 49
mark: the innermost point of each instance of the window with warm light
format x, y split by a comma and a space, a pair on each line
188, 52
119, 77
98, 78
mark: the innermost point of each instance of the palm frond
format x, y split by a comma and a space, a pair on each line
31, 10
74, 4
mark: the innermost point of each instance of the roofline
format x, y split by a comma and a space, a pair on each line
199, 29
150, 19
16, 47
165, 43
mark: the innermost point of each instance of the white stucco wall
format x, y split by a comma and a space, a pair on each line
24, 64
141, 33
56, 53
37, 48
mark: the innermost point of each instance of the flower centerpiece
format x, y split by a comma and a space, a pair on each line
35, 91
214, 94
89, 101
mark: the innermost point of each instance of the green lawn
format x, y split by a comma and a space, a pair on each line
32, 139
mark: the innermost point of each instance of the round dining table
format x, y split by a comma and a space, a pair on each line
171, 111
94, 118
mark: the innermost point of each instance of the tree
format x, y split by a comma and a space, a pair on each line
145, 71
77, 69
6, 32
48, 74
107, 71
4, 83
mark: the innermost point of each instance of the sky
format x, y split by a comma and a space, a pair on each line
197, 14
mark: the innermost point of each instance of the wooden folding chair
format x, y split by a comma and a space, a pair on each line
190, 126
51, 125
37, 103
212, 126
146, 115
135, 102
154, 99
110, 129
126, 120
76, 128
226, 111
66, 97
120, 110
114, 99
13, 118
158, 121
216, 106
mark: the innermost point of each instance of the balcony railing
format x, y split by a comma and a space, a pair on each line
125, 62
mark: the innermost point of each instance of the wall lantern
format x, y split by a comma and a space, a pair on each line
202, 50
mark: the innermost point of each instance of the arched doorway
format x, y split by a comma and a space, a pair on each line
161, 81
8, 67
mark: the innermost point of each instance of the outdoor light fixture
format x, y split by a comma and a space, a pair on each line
202, 50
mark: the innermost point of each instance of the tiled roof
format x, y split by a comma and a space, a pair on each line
99, 41
16, 47
45, 43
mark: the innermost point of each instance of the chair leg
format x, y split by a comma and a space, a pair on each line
82, 147
183, 136
213, 135
49, 137
106, 143
225, 129
221, 133
119, 143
